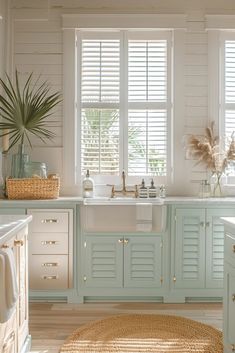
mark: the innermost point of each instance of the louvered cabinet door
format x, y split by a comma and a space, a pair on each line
189, 242
142, 262
104, 261
215, 246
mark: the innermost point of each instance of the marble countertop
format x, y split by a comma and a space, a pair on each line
72, 200
10, 225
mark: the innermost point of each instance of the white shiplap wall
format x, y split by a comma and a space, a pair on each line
37, 47
196, 95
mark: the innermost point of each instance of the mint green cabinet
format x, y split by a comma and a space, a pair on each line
122, 261
199, 248
142, 262
189, 248
104, 257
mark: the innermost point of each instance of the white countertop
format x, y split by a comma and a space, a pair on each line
71, 200
10, 225
229, 221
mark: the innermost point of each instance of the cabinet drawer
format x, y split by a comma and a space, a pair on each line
229, 249
48, 243
48, 272
49, 221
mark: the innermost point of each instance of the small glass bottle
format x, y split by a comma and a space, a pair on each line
162, 191
152, 190
143, 191
88, 185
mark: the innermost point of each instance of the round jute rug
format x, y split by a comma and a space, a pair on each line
143, 334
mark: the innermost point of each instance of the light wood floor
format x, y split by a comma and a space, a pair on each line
51, 323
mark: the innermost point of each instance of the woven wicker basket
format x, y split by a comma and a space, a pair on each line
32, 188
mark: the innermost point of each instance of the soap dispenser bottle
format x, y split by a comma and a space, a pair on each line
143, 191
88, 185
152, 190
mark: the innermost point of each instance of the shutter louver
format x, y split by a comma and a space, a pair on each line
147, 71
100, 141
100, 70
147, 142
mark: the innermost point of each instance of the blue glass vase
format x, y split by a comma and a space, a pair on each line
18, 161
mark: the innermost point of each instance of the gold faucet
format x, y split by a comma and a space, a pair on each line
124, 191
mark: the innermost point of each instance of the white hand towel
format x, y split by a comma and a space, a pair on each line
8, 285
144, 217
11, 278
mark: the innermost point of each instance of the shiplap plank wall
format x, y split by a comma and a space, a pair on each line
37, 48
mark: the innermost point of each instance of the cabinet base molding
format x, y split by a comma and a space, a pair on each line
90, 299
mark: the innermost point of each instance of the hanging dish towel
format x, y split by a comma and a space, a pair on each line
8, 284
144, 217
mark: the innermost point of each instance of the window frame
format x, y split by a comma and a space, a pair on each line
124, 105
176, 24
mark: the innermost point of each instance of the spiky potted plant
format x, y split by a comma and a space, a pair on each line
24, 111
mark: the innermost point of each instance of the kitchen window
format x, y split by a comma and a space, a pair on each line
227, 92
124, 103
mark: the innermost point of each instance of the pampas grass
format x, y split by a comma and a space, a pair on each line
207, 150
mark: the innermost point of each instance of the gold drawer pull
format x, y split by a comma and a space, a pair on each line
233, 297
50, 277
4, 246
50, 220
49, 242
11, 339
234, 248
50, 264
18, 242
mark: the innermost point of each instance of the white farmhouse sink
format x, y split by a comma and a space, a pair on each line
98, 216
121, 201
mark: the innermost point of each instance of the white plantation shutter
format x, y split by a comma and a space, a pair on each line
124, 104
100, 141
147, 154
100, 70
229, 88
147, 71
100, 89
147, 89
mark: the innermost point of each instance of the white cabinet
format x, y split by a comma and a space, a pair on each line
229, 289
51, 249
14, 334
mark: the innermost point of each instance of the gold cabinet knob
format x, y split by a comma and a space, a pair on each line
5, 246
234, 248
233, 297
18, 242
121, 241
233, 347
126, 241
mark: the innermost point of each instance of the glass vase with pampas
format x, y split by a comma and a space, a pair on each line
209, 151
